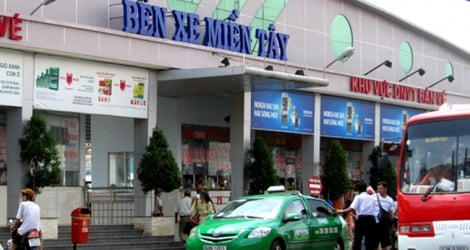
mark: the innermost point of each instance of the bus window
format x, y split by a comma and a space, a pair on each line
437, 159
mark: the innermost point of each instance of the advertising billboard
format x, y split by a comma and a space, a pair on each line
90, 87
285, 111
11, 78
347, 118
392, 121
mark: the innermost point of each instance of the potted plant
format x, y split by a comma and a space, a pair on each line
158, 169
38, 150
261, 172
335, 178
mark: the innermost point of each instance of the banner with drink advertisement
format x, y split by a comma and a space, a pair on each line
285, 111
392, 121
11, 78
90, 87
347, 118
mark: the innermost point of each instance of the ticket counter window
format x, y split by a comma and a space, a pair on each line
206, 157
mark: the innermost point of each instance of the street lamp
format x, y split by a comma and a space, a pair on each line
45, 2
421, 72
347, 53
225, 62
450, 78
386, 63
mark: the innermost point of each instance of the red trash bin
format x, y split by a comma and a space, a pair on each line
80, 224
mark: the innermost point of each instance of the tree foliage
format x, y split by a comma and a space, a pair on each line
158, 168
335, 178
260, 170
387, 174
38, 150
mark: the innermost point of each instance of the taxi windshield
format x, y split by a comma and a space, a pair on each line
436, 158
263, 208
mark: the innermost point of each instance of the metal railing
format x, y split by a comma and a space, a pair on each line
116, 205
111, 205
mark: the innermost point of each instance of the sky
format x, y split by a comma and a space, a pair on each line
448, 19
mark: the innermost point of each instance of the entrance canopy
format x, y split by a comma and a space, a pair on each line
229, 80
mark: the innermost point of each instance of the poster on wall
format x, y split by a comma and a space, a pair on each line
392, 121
282, 111
88, 87
347, 118
11, 77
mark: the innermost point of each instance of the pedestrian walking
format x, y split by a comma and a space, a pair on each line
363, 206
203, 206
183, 214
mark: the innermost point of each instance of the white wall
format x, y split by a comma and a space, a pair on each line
55, 202
108, 134
377, 36
58, 202
204, 110
115, 134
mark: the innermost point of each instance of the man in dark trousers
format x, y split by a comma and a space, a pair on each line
388, 204
183, 214
365, 225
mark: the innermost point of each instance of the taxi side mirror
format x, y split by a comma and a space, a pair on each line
292, 217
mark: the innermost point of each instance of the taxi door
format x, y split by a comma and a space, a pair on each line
325, 226
296, 226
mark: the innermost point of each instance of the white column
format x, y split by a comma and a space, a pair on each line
240, 140
16, 118
311, 147
142, 132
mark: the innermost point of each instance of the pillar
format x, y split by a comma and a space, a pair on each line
142, 131
240, 140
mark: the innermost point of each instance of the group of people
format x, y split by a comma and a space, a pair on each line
365, 209
187, 207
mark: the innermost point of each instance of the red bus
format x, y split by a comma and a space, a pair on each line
433, 187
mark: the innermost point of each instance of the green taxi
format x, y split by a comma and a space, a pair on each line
277, 221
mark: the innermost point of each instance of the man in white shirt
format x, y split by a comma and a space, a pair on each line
364, 208
28, 217
183, 211
388, 204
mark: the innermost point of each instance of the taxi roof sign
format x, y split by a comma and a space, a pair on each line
276, 189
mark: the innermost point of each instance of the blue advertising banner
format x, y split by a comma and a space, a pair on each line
347, 118
282, 111
392, 121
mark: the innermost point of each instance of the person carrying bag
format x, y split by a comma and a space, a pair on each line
384, 216
195, 218
384, 208
200, 209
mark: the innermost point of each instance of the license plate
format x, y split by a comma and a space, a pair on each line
453, 248
34, 242
215, 248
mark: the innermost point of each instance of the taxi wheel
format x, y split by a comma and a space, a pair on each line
277, 245
339, 246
